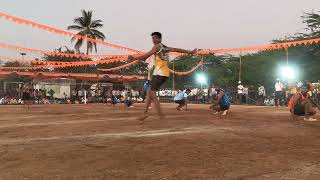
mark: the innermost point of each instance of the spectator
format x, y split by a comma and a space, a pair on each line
251, 95
240, 92
51, 93
278, 92
245, 94
261, 94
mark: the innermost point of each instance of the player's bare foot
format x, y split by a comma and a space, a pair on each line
215, 113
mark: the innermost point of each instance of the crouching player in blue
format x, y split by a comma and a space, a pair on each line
182, 99
221, 104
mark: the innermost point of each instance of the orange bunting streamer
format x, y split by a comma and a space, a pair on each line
200, 52
119, 67
86, 76
260, 48
64, 63
62, 32
50, 53
187, 72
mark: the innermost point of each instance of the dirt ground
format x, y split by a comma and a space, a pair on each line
100, 142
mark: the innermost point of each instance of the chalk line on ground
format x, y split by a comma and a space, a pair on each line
152, 133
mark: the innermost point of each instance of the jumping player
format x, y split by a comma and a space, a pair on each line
161, 70
222, 102
182, 99
300, 104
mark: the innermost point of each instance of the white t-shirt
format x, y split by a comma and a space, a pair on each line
240, 89
181, 96
245, 91
278, 86
261, 91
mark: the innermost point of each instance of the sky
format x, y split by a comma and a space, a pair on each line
205, 24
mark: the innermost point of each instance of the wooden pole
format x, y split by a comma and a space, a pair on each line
173, 77
287, 55
240, 67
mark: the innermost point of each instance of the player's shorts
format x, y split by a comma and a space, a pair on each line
299, 110
180, 102
224, 107
128, 103
157, 82
26, 96
278, 94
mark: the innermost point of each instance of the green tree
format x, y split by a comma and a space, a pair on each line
87, 27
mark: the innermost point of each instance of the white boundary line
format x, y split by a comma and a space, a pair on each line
99, 119
153, 133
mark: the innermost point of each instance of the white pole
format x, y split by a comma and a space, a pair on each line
85, 97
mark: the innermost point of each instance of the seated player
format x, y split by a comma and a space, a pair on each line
182, 99
300, 104
222, 102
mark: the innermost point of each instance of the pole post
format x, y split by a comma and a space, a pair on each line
85, 96
287, 55
173, 77
240, 66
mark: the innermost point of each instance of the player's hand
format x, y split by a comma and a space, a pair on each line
130, 57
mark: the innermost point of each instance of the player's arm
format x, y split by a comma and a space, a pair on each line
182, 50
145, 56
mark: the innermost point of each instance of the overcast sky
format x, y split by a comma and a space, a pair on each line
184, 23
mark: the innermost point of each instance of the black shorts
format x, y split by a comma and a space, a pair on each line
157, 82
299, 110
128, 103
180, 102
224, 107
278, 94
26, 96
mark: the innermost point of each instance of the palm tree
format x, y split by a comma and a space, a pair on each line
87, 27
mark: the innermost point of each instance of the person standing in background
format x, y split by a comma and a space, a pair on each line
261, 94
245, 94
278, 92
240, 93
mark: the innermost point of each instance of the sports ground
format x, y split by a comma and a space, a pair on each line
94, 141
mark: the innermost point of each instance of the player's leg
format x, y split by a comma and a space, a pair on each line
181, 104
309, 111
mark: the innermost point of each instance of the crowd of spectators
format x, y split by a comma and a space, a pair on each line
278, 95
